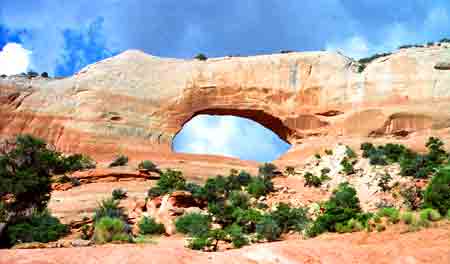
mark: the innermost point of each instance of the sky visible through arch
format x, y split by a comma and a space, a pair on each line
60, 37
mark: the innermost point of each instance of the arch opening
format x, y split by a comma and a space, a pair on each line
244, 134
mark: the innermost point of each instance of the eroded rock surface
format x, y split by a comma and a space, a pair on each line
135, 103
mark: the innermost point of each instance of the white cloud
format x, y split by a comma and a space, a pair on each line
356, 47
229, 136
14, 59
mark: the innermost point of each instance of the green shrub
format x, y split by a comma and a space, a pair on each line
329, 152
201, 57
342, 206
391, 213
208, 240
237, 236
351, 225
259, 187
244, 178
119, 194
239, 199
109, 229
25, 173
267, 170
437, 193
347, 166
39, 227
154, 192
368, 60
148, 225
193, 224
200, 242
412, 197
85, 232
289, 170
384, 181
75, 162
120, 160
312, 180
317, 156
197, 191
290, 218
407, 217
268, 229
148, 165
169, 181
430, 214
108, 208
350, 153
247, 219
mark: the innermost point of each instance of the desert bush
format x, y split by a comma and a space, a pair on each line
193, 224
347, 166
430, 214
109, 229
75, 162
267, 170
412, 197
120, 160
383, 182
259, 187
329, 152
32, 74
215, 188
108, 208
85, 234
201, 57
289, 170
119, 194
154, 192
437, 193
350, 153
247, 219
170, 180
317, 156
25, 173
312, 180
289, 218
238, 238
351, 225
239, 199
407, 217
148, 225
342, 206
197, 191
39, 227
391, 213
268, 229
244, 178
148, 165
368, 60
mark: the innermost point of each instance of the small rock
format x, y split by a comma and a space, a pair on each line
81, 243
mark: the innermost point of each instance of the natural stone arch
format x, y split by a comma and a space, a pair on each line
261, 117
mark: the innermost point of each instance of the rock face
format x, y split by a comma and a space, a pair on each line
135, 103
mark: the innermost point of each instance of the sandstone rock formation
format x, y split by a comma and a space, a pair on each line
135, 103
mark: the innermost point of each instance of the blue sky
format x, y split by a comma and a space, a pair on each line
61, 36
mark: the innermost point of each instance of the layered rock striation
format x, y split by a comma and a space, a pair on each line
135, 103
